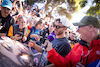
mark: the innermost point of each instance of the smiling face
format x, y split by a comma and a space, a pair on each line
39, 26
5, 11
22, 22
84, 33
51, 28
59, 28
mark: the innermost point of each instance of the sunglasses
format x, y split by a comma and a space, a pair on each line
57, 26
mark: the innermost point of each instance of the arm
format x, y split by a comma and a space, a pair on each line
55, 58
32, 35
10, 34
16, 37
35, 46
26, 34
37, 38
20, 8
50, 65
2, 34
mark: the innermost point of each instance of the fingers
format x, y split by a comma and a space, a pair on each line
31, 43
48, 45
24, 38
46, 42
17, 37
37, 38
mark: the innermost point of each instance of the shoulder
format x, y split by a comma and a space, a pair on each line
15, 25
77, 47
12, 21
33, 28
65, 40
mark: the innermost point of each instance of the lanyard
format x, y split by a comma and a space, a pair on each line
84, 55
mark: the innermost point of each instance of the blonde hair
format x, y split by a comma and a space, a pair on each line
22, 17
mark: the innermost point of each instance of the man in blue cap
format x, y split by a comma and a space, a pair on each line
5, 19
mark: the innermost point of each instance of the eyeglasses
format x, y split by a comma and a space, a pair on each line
57, 26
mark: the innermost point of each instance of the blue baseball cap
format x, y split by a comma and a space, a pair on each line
7, 4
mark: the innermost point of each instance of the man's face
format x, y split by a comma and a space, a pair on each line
72, 36
59, 28
5, 11
84, 33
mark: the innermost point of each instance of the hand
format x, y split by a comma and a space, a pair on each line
17, 37
49, 45
2, 34
24, 38
31, 43
37, 38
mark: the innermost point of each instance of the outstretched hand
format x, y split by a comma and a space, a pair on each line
31, 43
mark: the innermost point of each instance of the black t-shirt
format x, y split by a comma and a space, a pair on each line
6, 23
61, 46
73, 41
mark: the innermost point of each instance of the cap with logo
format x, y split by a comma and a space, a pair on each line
63, 20
7, 4
88, 20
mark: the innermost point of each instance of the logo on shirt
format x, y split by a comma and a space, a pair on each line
98, 52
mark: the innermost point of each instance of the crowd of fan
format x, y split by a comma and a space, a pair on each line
42, 32
33, 18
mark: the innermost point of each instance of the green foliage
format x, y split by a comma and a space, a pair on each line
63, 11
94, 10
30, 2
83, 3
70, 5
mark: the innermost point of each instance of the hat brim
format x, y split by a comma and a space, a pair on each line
78, 24
7, 7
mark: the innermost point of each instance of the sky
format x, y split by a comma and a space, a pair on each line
77, 16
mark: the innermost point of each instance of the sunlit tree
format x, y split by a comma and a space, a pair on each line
94, 9
71, 6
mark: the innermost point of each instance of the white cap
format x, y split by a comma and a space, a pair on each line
63, 20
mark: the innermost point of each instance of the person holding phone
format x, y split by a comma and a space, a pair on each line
19, 31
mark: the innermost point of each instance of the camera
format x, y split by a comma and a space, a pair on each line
43, 34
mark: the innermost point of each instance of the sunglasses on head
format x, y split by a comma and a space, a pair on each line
57, 26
